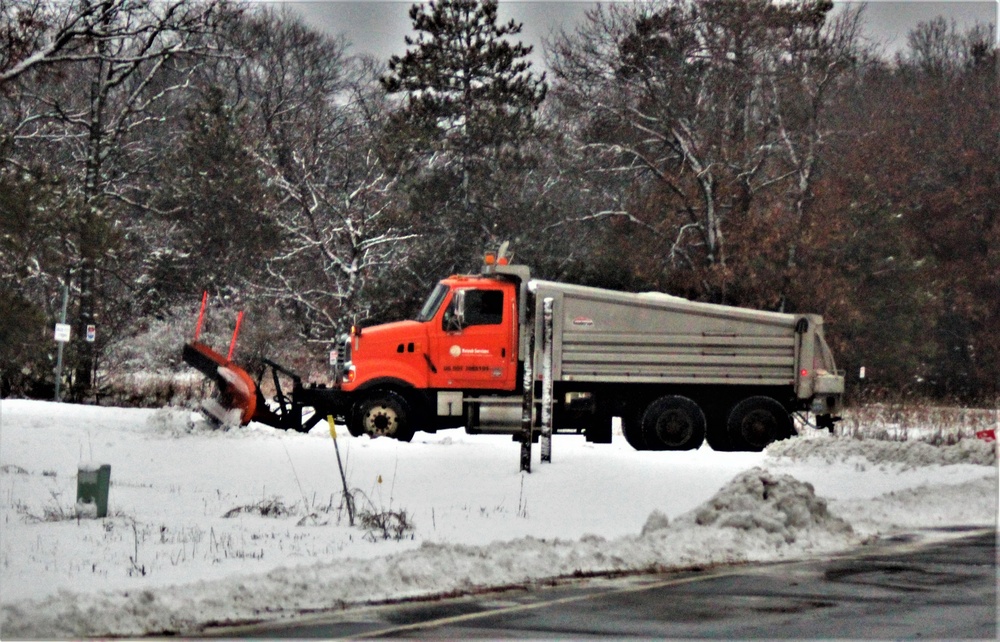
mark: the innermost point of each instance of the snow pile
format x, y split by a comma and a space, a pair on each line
908, 454
967, 504
779, 505
656, 521
170, 422
756, 517
168, 560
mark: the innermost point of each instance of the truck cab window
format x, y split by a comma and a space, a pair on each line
433, 303
483, 307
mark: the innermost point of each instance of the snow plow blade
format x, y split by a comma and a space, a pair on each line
237, 395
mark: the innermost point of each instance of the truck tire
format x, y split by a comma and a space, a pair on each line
385, 413
354, 424
755, 422
632, 430
673, 423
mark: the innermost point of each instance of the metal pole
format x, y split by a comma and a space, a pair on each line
59, 350
546, 439
527, 405
201, 315
236, 332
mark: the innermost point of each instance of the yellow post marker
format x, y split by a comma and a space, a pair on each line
343, 478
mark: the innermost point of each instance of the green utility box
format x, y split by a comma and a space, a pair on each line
92, 486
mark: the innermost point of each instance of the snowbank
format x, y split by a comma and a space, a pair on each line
778, 505
909, 454
756, 517
169, 561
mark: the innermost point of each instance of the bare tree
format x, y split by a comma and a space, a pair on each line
113, 62
803, 91
680, 105
317, 117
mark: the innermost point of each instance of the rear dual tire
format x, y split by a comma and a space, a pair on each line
678, 423
668, 423
756, 422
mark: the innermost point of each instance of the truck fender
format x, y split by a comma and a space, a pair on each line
381, 373
385, 382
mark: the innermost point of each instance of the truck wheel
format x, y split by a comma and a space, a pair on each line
632, 430
755, 422
385, 414
673, 423
354, 425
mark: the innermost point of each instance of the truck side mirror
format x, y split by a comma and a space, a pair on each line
454, 317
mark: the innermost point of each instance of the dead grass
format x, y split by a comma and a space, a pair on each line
268, 507
938, 425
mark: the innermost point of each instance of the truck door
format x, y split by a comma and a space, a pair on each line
475, 352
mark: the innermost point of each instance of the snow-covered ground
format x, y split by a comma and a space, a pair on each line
209, 527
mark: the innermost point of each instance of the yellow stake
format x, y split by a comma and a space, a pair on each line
343, 478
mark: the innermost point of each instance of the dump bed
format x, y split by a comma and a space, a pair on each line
607, 336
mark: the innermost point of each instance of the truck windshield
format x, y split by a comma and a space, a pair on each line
433, 303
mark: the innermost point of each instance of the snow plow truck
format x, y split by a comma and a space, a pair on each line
486, 347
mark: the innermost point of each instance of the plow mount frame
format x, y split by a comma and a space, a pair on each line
238, 399
288, 410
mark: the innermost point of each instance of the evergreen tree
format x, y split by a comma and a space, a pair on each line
216, 233
470, 104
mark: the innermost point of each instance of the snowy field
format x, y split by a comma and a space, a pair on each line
208, 527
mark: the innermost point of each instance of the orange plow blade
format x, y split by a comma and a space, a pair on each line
236, 400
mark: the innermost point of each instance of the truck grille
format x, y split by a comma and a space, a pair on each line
343, 357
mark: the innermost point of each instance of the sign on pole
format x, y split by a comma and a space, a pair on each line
62, 336
91, 333
63, 332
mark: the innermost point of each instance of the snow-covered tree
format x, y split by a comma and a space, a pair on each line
686, 112
89, 87
315, 117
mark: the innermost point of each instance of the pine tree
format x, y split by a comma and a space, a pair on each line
216, 233
465, 83
470, 105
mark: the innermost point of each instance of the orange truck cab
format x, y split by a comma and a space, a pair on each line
465, 341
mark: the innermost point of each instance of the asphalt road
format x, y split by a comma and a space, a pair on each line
903, 589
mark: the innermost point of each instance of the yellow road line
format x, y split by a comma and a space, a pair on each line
458, 619
741, 570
